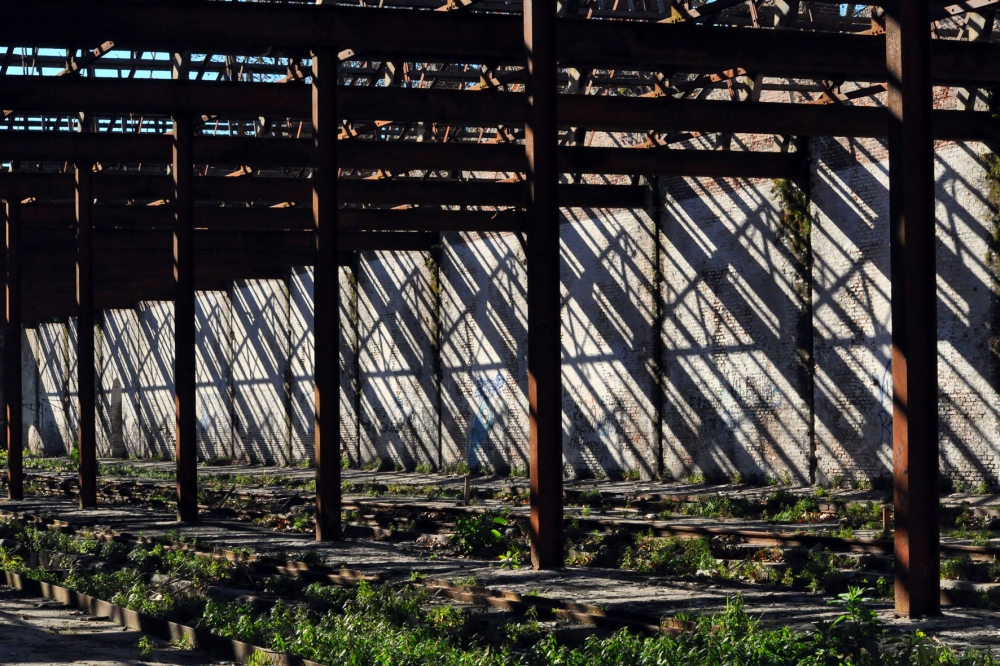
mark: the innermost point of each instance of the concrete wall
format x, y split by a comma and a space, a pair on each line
692, 343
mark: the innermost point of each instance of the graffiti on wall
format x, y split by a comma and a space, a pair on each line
477, 445
885, 412
745, 398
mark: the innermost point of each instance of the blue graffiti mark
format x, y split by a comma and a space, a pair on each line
885, 416
480, 434
476, 448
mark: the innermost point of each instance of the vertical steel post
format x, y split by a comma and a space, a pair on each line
86, 394
184, 332
544, 316
12, 355
914, 309
326, 294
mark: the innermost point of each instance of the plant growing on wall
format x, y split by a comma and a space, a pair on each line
794, 230
991, 161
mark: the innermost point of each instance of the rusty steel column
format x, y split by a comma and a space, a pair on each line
325, 295
12, 355
86, 394
914, 309
184, 339
544, 316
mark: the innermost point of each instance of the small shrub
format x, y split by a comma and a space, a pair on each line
885, 588
696, 479
518, 472
590, 497
261, 659
373, 465
958, 568
512, 558
145, 647
524, 633
457, 468
717, 506
424, 468
788, 508
478, 533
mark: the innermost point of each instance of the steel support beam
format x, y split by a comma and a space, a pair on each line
613, 113
980, 27
184, 321
326, 295
402, 34
544, 312
394, 155
12, 355
86, 377
143, 188
914, 309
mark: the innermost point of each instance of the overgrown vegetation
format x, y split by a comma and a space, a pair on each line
780, 506
991, 161
480, 534
399, 624
143, 577
795, 229
669, 555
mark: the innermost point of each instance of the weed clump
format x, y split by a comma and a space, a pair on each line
480, 534
669, 555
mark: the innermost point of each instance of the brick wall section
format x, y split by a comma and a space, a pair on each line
213, 373
399, 402
968, 415
156, 378
260, 363
484, 375
302, 363
609, 370
853, 409
852, 322
118, 358
733, 401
